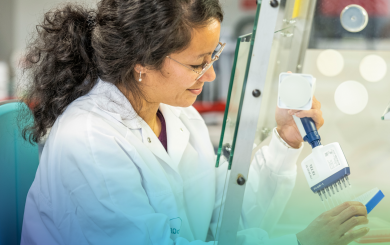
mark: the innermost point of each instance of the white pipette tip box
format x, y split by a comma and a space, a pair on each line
370, 199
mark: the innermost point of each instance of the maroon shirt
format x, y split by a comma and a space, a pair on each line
163, 134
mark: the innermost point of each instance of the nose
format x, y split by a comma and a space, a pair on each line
209, 75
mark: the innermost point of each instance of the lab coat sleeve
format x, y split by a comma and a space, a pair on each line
271, 179
270, 182
112, 207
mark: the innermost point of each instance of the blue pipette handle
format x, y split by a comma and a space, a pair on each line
312, 136
308, 130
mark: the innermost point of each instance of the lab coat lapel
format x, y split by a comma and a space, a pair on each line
110, 99
177, 134
154, 145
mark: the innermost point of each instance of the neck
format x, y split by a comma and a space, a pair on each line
146, 110
148, 113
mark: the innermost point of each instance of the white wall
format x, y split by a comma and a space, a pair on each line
27, 14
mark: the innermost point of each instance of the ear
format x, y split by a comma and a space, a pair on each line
138, 68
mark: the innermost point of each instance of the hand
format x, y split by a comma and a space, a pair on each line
287, 128
334, 226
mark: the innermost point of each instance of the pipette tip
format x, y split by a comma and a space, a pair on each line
345, 185
323, 192
327, 190
331, 187
319, 193
346, 177
335, 185
341, 187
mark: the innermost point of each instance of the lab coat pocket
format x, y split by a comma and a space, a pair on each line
175, 225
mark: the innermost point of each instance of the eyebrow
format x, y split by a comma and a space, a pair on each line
202, 55
209, 53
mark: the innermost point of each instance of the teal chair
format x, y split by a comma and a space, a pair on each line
18, 164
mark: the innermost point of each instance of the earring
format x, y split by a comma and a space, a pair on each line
140, 79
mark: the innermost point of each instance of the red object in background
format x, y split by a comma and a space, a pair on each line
203, 107
333, 8
7, 98
248, 4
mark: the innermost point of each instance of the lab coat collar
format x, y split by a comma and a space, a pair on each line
110, 99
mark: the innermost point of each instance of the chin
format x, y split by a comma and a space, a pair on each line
186, 103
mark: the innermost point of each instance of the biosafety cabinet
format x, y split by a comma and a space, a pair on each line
345, 45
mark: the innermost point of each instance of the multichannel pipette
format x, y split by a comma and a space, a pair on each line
326, 168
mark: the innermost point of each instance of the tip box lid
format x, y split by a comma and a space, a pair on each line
370, 199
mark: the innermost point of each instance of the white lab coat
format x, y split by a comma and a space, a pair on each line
105, 178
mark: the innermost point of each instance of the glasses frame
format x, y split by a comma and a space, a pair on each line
207, 65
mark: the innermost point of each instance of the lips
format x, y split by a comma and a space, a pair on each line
195, 91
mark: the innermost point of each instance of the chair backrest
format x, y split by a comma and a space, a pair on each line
18, 165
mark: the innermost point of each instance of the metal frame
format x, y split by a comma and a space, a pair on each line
295, 62
250, 110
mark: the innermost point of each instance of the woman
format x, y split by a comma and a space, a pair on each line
128, 160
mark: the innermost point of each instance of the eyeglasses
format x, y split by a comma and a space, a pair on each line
215, 56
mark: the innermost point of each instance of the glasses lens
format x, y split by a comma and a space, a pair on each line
207, 66
217, 49
217, 52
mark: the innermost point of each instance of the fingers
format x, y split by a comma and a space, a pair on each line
354, 234
316, 104
353, 210
352, 222
340, 208
315, 114
292, 112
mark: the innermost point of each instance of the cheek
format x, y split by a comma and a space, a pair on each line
171, 87
176, 94
179, 80
180, 85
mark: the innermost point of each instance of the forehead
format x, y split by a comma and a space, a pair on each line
204, 40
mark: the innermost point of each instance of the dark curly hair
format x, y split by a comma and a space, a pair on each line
74, 46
